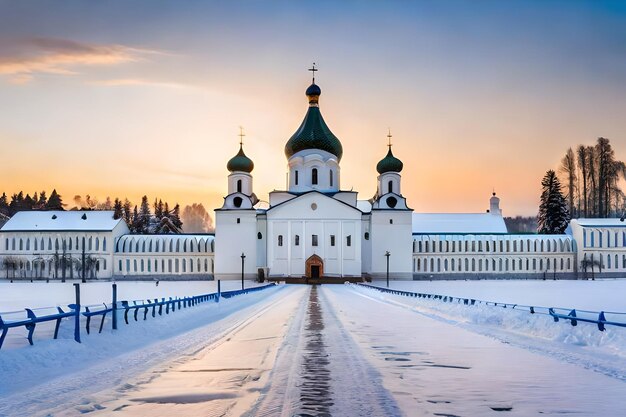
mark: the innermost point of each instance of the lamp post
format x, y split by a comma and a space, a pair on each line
243, 257
387, 255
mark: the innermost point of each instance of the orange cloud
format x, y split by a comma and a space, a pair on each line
121, 82
23, 59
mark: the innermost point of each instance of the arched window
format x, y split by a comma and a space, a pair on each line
314, 176
390, 186
28, 244
259, 236
331, 177
97, 244
280, 240
296, 178
297, 240
238, 186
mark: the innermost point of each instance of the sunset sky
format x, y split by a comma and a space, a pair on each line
124, 98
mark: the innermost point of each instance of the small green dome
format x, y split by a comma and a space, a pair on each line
240, 162
313, 133
389, 164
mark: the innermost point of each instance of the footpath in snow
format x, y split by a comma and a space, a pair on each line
434, 367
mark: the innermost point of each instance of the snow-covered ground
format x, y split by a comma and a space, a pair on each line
598, 295
337, 350
43, 298
19, 295
55, 375
434, 367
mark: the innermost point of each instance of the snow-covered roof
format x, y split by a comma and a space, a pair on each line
165, 243
35, 221
591, 222
364, 205
458, 223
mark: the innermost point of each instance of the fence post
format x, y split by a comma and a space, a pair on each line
77, 316
114, 304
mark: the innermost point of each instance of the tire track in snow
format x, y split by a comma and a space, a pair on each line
320, 371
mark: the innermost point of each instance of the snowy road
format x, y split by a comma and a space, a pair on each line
435, 368
329, 350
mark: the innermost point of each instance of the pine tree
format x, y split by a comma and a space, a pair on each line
43, 201
4, 204
118, 210
553, 216
29, 203
54, 202
144, 215
128, 216
156, 208
176, 217
135, 222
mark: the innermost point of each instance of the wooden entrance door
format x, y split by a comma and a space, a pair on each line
314, 267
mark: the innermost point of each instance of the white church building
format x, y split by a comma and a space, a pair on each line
312, 229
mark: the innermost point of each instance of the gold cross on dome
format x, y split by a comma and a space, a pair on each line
313, 69
389, 137
241, 135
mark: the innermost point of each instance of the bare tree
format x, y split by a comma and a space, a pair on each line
568, 168
581, 153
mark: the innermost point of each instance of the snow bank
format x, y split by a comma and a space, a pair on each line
516, 325
135, 345
598, 295
20, 295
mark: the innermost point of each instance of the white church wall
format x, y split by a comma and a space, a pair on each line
235, 233
601, 246
493, 255
240, 182
322, 226
391, 231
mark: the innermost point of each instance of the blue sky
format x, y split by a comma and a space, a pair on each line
126, 98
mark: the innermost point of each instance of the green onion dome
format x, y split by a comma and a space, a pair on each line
313, 133
240, 162
389, 164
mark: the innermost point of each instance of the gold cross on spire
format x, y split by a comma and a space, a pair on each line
389, 137
241, 135
313, 69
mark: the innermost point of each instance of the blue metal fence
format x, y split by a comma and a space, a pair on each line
574, 316
146, 307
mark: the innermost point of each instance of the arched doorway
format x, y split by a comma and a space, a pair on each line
314, 267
